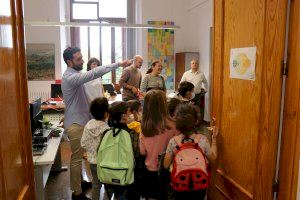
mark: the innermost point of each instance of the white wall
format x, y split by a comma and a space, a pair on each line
200, 20
195, 17
45, 10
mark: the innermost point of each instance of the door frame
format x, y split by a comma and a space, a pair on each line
18, 75
290, 145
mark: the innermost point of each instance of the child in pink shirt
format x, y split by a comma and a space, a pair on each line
157, 129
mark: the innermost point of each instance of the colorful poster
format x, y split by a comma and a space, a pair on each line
161, 47
242, 63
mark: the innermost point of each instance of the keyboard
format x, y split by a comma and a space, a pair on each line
36, 151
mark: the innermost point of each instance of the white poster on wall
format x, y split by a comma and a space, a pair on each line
242, 63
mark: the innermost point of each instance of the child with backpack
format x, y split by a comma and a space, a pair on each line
157, 129
91, 139
187, 154
117, 154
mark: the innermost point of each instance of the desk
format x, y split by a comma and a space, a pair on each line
53, 107
53, 113
43, 164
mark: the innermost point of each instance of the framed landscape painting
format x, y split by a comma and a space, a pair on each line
40, 62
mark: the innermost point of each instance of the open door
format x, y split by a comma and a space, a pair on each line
16, 166
247, 112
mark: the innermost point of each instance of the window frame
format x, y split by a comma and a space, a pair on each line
75, 33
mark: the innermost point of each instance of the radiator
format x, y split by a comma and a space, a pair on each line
36, 94
38, 89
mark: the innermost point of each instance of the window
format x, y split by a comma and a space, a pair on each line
104, 43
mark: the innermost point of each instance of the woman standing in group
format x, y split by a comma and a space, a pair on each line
153, 79
94, 88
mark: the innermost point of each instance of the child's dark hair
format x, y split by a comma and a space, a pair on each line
134, 105
99, 107
69, 52
172, 105
116, 110
186, 118
185, 87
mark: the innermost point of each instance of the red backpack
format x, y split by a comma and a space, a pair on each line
190, 168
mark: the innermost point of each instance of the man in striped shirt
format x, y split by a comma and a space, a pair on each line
77, 108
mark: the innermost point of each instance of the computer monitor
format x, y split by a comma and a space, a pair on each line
35, 114
56, 91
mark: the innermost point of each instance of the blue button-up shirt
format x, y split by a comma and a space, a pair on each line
75, 98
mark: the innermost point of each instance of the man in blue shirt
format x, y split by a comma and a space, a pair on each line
77, 108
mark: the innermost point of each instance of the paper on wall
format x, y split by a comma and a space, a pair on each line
242, 63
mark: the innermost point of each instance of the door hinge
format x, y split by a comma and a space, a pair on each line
284, 68
276, 187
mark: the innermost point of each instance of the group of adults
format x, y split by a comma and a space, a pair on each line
131, 79
132, 83
79, 89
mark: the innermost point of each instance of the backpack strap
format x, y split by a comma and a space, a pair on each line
102, 136
106, 131
116, 133
179, 140
197, 138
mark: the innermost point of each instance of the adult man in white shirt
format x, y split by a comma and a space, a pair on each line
195, 76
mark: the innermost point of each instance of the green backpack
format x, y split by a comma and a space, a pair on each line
115, 158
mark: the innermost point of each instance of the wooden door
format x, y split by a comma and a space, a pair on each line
180, 68
247, 112
290, 148
16, 166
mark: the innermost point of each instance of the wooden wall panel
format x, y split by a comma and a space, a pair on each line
230, 188
290, 149
17, 179
241, 99
179, 68
247, 112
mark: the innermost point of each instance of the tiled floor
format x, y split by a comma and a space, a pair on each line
58, 184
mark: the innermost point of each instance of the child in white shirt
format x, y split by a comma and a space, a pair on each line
90, 140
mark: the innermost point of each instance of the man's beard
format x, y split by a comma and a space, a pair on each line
78, 67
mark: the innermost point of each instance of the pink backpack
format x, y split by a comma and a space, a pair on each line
190, 168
